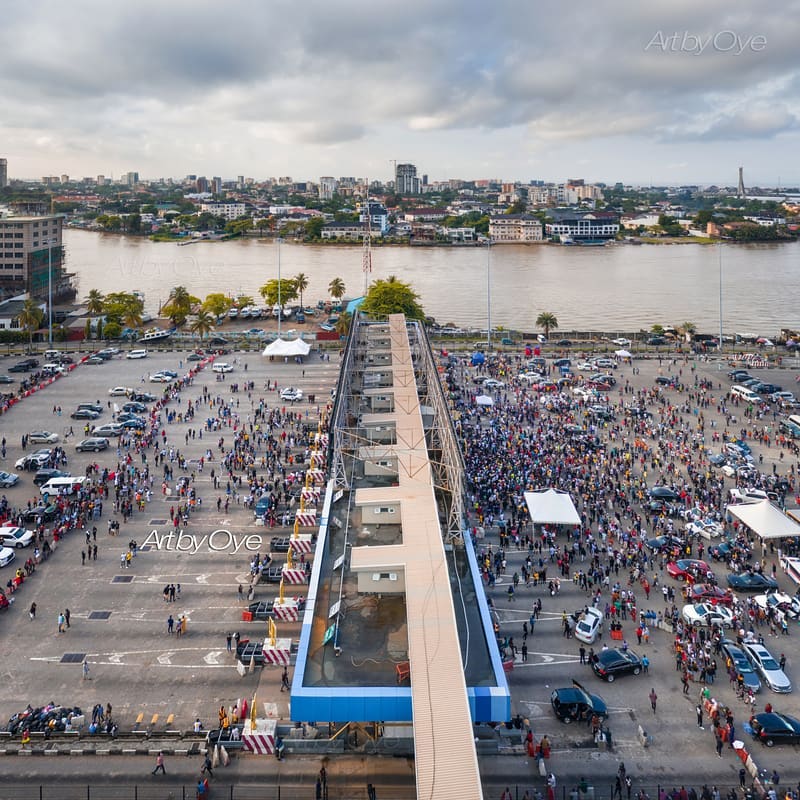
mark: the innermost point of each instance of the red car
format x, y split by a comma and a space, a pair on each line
601, 386
707, 593
690, 570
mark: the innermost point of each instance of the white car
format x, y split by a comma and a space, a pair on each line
605, 363
43, 437
767, 667
621, 342
493, 383
702, 614
120, 391
7, 555
784, 604
585, 366
16, 537
583, 393
52, 368
589, 625
529, 377
291, 394
160, 377
137, 354
708, 530
221, 366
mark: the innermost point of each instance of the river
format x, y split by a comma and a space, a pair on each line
615, 288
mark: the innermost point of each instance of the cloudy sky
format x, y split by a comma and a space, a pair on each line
673, 91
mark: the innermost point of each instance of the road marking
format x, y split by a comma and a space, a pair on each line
213, 657
202, 578
165, 659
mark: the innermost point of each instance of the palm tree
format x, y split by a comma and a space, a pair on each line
204, 323
94, 301
336, 288
301, 282
689, 329
547, 321
30, 318
343, 323
179, 305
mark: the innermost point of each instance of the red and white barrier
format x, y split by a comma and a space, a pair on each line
259, 738
288, 610
301, 543
307, 518
310, 495
294, 576
317, 475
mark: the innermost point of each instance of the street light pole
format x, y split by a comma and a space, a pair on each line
280, 307
720, 296
50, 292
489, 292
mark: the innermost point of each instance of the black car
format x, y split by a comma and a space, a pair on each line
718, 460
562, 362
751, 582
248, 651
601, 412
84, 413
663, 507
46, 512
666, 380
575, 703
722, 551
6, 379
98, 407
261, 610
564, 343
739, 375
194, 357
768, 388
669, 545
656, 340
772, 728
639, 413
134, 406
143, 397
664, 493
609, 664
21, 367
44, 475
741, 663
217, 341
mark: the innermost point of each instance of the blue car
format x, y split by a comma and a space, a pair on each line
134, 424
751, 582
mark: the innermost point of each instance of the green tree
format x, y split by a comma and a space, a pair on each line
112, 330
288, 291
547, 321
689, 327
392, 296
99, 328
123, 307
179, 305
217, 303
313, 228
343, 323
133, 223
657, 330
87, 330
703, 217
336, 288
203, 324
30, 318
243, 300
301, 282
94, 301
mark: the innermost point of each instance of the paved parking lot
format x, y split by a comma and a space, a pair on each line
119, 616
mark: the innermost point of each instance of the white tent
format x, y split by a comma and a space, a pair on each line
623, 354
484, 400
765, 519
284, 347
550, 506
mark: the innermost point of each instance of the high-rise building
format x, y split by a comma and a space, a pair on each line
216, 182
3, 172
131, 178
65, 179
101, 180
31, 245
405, 179
240, 181
201, 184
740, 192
327, 187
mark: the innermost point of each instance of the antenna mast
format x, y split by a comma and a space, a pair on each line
366, 255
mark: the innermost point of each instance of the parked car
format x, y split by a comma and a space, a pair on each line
664, 493
291, 394
84, 413
143, 397
751, 582
771, 728
741, 664
574, 703
135, 424
120, 391
35, 460
44, 475
6, 379
656, 340
611, 663
493, 383
160, 377
783, 604
47, 511
135, 406
708, 594
16, 537
589, 625
7, 555
8, 479
93, 443
701, 614
109, 429
43, 437
221, 367
766, 666
691, 570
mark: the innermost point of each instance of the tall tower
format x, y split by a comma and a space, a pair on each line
3, 173
740, 190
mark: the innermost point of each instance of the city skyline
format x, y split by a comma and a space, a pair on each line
659, 94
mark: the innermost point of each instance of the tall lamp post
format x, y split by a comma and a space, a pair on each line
489, 292
280, 307
720, 296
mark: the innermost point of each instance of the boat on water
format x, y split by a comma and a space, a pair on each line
156, 335
569, 241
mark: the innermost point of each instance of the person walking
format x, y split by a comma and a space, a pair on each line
207, 767
170, 624
66, 616
32, 611
228, 641
85, 670
285, 680
653, 699
699, 711
160, 764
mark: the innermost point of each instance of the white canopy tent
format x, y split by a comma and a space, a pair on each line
765, 520
286, 347
552, 507
623, 354
484, 400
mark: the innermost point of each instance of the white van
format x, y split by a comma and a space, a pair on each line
61, 486
137, 354
744, 393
